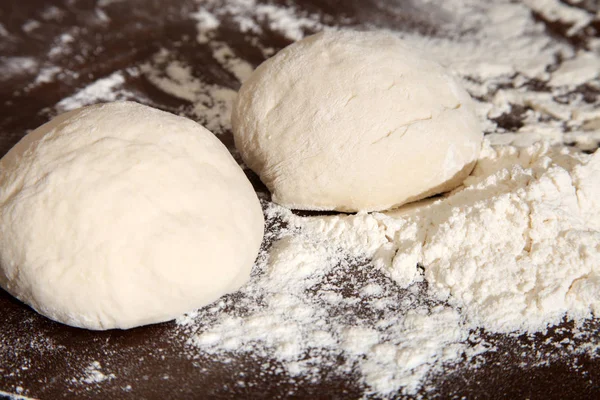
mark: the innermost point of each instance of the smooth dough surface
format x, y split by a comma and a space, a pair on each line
355, 121
120, 215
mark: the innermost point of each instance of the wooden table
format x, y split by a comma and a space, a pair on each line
42, 357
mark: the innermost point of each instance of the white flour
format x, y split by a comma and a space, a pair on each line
102, 90
514, 250
517, 248
554, 10
396, 298
211, 103
93, 374
15, 66
17, 396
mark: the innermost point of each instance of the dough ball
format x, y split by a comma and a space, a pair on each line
355, 121
120, 215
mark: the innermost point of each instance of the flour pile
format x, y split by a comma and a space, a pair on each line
517, 248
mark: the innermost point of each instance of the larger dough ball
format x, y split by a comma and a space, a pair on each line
355, 121
119, 215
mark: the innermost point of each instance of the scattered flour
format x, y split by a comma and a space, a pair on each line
52, 13
515, 250
211, 104
11, 396
104, 89
556, 10
294, 312
576, 71
3, 31
104, 3
500, 84
47, 74
207, 23
508, 62
11, 66
255, 17
30, 25
93, 374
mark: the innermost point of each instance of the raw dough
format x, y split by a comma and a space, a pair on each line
120, 215
355, 121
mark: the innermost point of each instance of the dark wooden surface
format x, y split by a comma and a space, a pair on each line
152, 360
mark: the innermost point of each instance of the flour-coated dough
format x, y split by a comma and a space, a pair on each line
120, 215
355, 121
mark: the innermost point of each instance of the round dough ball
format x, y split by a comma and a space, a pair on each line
355, 121
120, 215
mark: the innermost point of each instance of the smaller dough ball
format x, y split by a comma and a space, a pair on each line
120, 215
355, 121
